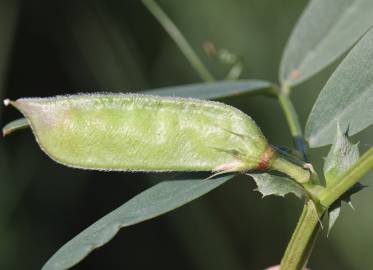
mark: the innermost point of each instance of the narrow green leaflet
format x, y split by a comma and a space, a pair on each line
343, 154
326, 29
15, 125
155, 201
213, 91
276, 185
347, 98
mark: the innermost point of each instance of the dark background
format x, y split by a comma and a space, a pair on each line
60, 47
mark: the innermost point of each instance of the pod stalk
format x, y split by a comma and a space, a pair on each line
296, 172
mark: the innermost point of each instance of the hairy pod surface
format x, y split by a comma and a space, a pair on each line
144, 133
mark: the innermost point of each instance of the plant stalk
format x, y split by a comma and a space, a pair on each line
179, 39
302, 176
346, 180
305, 234
304, 237
300, 246
292, 120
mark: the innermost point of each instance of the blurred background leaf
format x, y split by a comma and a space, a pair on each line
326, 29
67, 46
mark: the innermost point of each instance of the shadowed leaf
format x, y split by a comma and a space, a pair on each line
333, 214
14, 126
335, 209
155, 201
276, 185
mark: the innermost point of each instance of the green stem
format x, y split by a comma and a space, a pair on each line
304, 237
296, 172
292, 119
290, 112
300, 246
179, 39
301, 243
299, 174
347, 179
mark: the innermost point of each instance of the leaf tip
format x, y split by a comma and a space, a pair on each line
5, 132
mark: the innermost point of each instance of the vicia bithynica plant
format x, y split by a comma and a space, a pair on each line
179, 129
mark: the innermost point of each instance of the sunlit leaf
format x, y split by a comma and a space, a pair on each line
155, 201
347, 97
326, 29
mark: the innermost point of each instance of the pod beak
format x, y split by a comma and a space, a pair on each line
7, 102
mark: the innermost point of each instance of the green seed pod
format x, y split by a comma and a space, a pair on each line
145, 133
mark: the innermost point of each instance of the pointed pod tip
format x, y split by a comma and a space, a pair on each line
14, 103
7, 102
